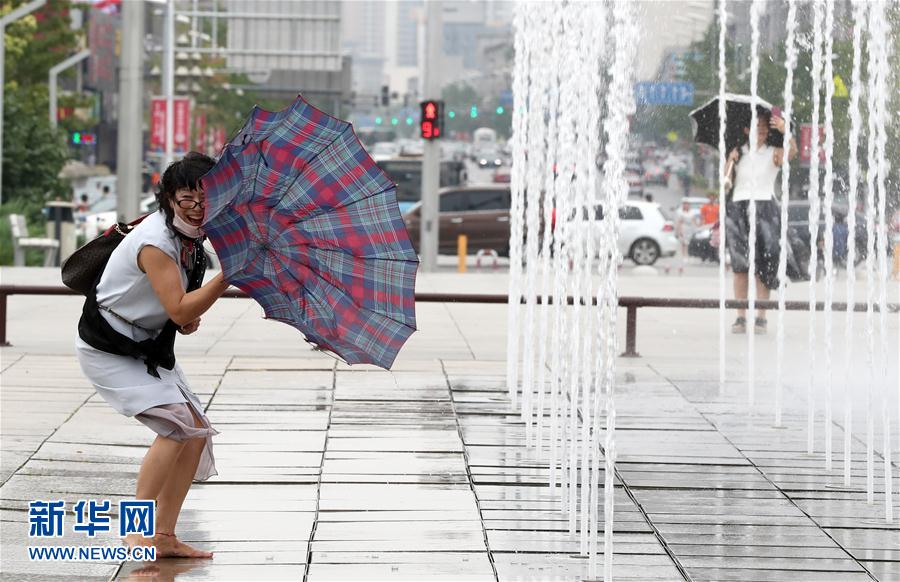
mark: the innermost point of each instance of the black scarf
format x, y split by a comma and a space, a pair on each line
95, 331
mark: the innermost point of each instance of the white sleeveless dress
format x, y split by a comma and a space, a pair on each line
164, 404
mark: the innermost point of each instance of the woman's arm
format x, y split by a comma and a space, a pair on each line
778, 157
165, 278
728, 178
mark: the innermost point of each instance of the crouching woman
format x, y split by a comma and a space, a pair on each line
149, 289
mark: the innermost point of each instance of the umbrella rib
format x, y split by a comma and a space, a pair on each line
320, 211
312, 159
346, 252
342, 291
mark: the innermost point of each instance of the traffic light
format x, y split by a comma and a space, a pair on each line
385, 95
431, 125
82, 138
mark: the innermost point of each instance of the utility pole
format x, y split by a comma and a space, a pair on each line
16, 14
431, 160
168, 71
130, 148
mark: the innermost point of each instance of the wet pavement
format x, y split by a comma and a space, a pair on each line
328, 472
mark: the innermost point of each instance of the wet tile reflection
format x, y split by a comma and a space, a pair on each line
423, 473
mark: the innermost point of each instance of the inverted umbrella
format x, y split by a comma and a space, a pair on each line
307, 224
705, 121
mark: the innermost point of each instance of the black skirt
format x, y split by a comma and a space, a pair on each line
768, 239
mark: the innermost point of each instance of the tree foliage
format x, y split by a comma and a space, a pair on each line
33, 151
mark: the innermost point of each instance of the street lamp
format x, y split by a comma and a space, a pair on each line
54, 74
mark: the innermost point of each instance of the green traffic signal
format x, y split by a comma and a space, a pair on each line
451, 114
377, 121
500, 110
474, 112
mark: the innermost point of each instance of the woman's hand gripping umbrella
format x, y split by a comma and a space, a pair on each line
307, 224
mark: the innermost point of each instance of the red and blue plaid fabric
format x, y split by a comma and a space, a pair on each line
306, 223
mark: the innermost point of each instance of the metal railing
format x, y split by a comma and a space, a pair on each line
630, 304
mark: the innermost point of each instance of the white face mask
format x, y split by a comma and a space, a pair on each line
185, 228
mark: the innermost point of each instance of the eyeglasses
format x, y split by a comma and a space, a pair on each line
189, 204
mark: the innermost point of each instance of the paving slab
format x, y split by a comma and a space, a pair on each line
336, 472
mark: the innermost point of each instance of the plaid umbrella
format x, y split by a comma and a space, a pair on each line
307, 224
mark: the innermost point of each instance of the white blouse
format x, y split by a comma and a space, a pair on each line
123, 381
126, 290
755, 174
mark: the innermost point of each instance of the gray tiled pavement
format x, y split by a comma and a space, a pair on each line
328, 472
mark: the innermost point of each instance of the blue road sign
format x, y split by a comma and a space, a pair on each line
664, 93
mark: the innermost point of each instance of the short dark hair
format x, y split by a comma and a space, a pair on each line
761, 114
185, 173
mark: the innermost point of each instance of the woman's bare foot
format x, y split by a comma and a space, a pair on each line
167, 546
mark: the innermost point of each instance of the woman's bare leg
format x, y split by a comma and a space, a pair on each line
762, 294
155, 470
171, 498
157, 466
741, 285
168, 482
175, 489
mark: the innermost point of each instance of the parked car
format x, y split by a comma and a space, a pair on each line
479, 212
482, 214
384, 150
406, 172
700, 245
102, 215
645, 234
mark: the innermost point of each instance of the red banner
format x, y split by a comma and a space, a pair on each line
158, 124
200, 133
181, 132
181, 129
806, 143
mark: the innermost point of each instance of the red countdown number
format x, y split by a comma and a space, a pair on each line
432, 119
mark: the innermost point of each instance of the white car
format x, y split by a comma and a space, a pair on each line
384, 150
645, 234
103, 215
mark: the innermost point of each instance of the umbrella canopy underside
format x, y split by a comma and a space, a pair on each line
305, 222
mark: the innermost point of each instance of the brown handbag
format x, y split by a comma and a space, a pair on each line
81, 269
